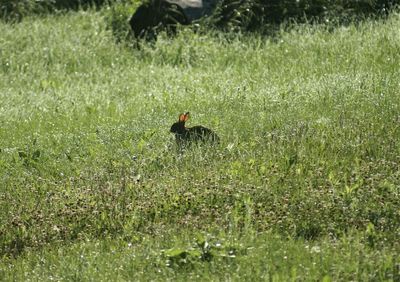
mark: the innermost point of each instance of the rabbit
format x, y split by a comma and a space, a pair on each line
186, 135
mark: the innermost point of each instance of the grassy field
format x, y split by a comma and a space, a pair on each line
304, 184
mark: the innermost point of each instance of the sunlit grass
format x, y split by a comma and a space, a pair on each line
309, 153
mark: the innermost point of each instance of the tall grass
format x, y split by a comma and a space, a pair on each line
303, 185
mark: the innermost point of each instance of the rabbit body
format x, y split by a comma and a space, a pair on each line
192, 134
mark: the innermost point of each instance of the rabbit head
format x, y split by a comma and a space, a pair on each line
179, 126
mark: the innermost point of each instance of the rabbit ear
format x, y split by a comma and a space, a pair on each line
182, 117
186, 116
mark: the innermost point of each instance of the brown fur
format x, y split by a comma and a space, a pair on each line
186, 135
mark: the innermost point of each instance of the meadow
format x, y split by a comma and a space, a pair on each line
304, 184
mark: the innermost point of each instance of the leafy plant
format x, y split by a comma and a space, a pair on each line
117, 18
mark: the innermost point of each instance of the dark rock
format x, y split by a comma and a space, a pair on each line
166, 14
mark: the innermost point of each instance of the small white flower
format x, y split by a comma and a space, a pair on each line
315, 249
